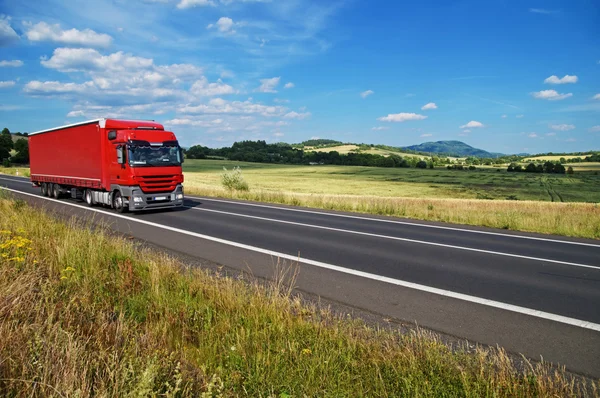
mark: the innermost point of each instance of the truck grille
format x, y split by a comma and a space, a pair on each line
158, 183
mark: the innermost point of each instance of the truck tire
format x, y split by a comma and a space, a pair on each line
44, 189
55, 191
87, 197
118, 203
49, 190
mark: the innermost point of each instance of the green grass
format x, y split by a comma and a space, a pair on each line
484, 183
88, 314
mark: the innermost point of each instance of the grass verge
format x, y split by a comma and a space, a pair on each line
580, 220
84, 313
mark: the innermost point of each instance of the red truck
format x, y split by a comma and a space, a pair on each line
125, 164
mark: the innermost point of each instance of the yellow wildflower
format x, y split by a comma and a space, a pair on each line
306, 351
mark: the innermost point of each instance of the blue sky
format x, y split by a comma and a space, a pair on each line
506, 76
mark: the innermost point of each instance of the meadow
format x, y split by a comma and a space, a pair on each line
86, 313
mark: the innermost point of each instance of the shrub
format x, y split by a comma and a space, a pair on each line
421, 164
471, 167
234, 180
6, 163
570, 170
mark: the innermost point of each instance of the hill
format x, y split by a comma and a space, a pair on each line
452, 148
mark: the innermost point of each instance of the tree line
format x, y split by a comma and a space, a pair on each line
20, 146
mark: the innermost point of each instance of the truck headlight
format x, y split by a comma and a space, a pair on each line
137, 199
179, 196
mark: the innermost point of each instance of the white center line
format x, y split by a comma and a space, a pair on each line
441, 292
399, 239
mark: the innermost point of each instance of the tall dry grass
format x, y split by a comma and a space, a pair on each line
83, 313
568, 219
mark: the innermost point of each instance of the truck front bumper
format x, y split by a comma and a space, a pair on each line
139, 200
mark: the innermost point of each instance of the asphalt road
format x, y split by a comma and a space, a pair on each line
533, 294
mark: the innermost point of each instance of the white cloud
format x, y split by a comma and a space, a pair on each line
6, 84
203, 88
87, 37
221, 106
281, 101
7, 34
540, 11
520, 116
53, 87
224, 25
550, 134
430, 105
365, 94
78, 113
426, 135
532, 135
570, 140
466, 131
472, 124
550, 95
504, 116
296, 115
278, 134
380, 128
562, 127
15, 64
183, 4
268, 85
289, 85
401, 117
595, 129
596, 97
564, 80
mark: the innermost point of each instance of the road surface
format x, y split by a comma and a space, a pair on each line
538, 295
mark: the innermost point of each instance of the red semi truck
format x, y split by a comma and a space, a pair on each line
125, 164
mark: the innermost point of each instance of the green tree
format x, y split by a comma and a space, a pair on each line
22, 148
570, 170
6, 144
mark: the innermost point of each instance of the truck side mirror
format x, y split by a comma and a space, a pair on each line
120, 155
181, 154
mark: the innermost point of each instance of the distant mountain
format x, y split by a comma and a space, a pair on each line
452, 148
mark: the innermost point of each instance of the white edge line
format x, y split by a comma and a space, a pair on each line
397, 282
400, 239
398, 222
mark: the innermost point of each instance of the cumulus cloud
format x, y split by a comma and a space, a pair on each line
532, 135
6, 84
550, 134
428, 106
87, 37
224, 25
564, 80
596, 97
204, 89
595, 129
289, 85
504, 116
221, 106
401, 117
15, 63
520, 116
426, 135
278, 134
540, 11
8, 35
365, 94
472, 125
466, 131
296, 115
550, 95
562, 127
268, 85
380, 128
183, 4
54, 87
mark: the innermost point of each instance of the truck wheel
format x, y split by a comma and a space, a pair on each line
49, 190
87, 197
44, 189
55, 191
119, 203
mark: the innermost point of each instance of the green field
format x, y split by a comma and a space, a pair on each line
484, 183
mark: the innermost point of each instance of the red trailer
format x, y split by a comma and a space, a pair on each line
126, 164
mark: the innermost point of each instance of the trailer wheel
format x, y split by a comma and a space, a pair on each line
49, 190
44, 189
119, 203
87, 197
55, 191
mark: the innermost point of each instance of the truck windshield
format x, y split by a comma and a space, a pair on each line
140, 156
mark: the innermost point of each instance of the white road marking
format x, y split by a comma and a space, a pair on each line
398, 238
397, 282
412, 224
